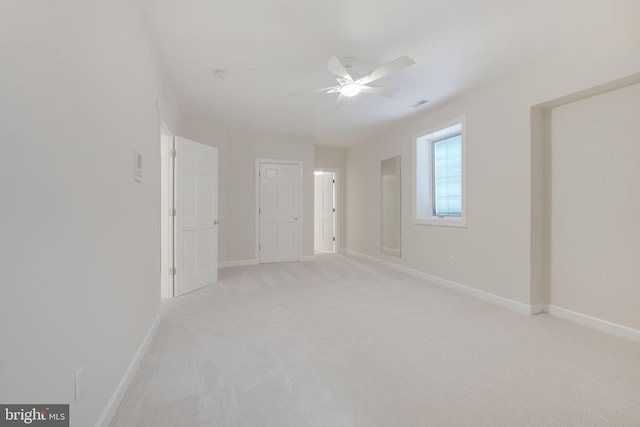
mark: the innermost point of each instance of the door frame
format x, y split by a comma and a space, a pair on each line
166, 203
336, 196
259, 161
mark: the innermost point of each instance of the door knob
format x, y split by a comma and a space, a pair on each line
215, 222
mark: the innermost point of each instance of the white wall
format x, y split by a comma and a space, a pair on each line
238, 150
495, 252
79, 246
595, 238
335, 158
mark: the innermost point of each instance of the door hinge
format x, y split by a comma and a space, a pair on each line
172, 212
259, 247
334, 239
172, 154
334, 209
334, 181
259, 210
172, 271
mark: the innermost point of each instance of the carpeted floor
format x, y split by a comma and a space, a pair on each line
343, 342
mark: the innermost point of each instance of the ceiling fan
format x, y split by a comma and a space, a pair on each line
348, 85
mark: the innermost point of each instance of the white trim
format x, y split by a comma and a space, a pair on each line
166, 202
238, 263
447, 221
300, 163
595, 323
539, 308
112, 406
336, 217
601, 325
307, 258
485, 296
390, 251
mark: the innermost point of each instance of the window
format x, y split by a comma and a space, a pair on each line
440, 176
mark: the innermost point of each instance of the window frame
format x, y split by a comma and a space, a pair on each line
431, 218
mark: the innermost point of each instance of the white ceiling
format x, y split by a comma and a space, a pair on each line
270, 48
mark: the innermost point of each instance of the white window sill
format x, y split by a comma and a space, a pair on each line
460, 222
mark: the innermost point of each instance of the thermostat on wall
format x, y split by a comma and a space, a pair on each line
137, 166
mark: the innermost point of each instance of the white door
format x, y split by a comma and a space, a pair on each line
324, 236
196, 216
279, 212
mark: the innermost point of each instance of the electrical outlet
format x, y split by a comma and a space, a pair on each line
80, 383
452, 259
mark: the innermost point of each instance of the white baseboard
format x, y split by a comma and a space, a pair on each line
117, 396
245, 262
238, 263
539, 308
390, 251
595, 323
486, 296
572, 316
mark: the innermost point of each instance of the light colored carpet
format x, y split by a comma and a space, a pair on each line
343, 342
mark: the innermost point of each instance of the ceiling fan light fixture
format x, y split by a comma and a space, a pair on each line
350, 89
350, 84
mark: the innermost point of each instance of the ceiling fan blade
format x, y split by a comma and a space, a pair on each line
388, 68
337, 69
340, 100
389, 92
329, 89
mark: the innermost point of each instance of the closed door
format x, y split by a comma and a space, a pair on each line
324, 236
279, 211
196, 216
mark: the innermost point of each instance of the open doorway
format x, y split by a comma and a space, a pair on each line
325, 211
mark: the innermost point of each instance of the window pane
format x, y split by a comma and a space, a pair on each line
447, 176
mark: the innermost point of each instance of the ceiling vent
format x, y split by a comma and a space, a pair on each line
420, 103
